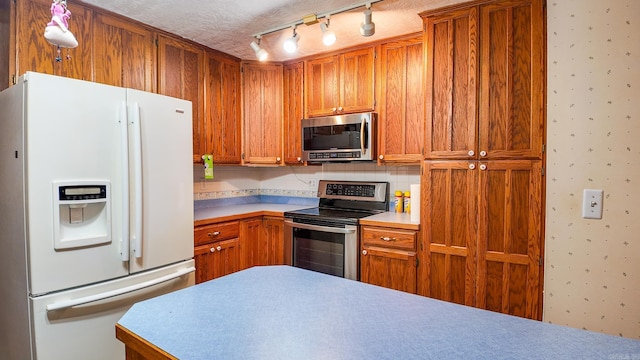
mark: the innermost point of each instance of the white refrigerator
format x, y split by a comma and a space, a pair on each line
96, 212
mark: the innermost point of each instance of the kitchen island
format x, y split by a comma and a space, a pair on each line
282, 312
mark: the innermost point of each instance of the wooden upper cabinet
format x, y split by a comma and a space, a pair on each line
36, 54
485, 75
401, 108
124, 53
451, 81
221, 133
180, 71
512, 73
341, 83
293, 112
262, 99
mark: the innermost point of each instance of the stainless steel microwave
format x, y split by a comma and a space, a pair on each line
339, 138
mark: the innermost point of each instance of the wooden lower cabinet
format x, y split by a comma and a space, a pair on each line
216, 250
262, 241
388, 258
482, 237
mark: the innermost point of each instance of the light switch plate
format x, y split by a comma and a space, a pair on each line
592, 204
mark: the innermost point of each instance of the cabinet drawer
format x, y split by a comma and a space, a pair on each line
222, 231
390, 238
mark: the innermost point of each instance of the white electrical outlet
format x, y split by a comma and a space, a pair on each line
592, 204
313, 184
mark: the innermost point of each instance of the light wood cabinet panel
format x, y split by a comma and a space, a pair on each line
262, 99
401, 110
451, 81
510, 237
124, 54
342, 83
180, 71
293, 112
220, 134
512, 79
449, 213
34, 53
388, 258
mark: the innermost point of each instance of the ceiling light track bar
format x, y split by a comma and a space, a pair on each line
326, 14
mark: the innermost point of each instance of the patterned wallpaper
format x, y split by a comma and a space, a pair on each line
592, 267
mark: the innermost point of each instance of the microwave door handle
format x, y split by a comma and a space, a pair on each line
319, 228
362, 134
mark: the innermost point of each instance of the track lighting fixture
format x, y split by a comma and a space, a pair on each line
367, 28
261, 53
328, 36
291, 44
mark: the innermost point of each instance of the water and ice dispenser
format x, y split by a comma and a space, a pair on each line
82, 215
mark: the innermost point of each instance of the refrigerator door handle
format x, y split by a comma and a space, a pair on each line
124, 150
137, 182
109, 294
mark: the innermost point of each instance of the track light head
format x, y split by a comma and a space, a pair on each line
291, 44
367, 28
328, 36
261, 53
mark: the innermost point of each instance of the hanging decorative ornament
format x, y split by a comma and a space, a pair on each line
57, 30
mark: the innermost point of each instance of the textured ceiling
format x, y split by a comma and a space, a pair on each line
229, 25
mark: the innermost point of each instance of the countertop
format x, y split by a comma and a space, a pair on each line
282, 312
229, 212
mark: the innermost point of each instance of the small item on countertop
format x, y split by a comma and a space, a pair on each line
398, 203
407, 202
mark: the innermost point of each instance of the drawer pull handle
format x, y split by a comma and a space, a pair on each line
386, 238
215, 233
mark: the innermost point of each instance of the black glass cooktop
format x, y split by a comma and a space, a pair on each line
328, 214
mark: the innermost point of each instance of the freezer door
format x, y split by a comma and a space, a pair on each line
73, 141
161, 173
61, 330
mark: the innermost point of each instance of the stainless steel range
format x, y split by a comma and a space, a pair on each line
325, 238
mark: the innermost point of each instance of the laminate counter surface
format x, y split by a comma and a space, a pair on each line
281, 312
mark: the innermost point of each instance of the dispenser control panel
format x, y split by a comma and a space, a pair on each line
77, 192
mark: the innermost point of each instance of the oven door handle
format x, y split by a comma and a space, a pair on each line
328, 229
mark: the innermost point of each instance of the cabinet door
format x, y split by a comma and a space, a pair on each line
512, 79
180, 72
251, 239
321, 86
274, 233
451, 81
220, 134
216, 259
124, 54
447, 250
262, 98
391, 268
34, 53
509, 244
401, 121
357, 81
293, 85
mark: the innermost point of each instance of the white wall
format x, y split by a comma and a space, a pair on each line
592, 267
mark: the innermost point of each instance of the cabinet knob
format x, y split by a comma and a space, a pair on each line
333, 110
483, 153
278, 159
299, 159
340, 108
219, 248
472, 166
212, 249
471, 153
381, 157
483, 167
364, 252
214, 234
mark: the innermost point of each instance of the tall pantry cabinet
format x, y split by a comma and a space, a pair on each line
482, 181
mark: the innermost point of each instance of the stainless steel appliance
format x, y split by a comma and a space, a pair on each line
339, 138
325, 238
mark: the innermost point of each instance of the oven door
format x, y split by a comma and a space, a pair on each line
328, 248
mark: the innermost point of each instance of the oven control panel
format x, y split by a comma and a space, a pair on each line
352, 190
